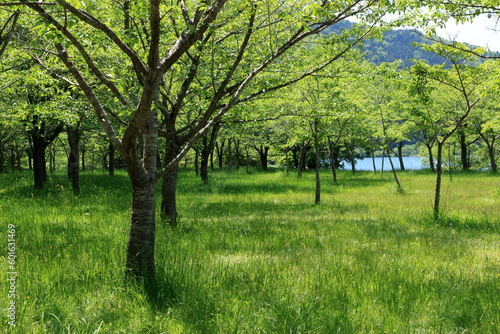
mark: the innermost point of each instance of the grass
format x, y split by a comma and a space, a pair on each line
253, 254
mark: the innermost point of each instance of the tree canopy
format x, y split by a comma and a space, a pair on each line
163, 76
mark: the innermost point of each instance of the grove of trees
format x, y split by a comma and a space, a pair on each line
150, 85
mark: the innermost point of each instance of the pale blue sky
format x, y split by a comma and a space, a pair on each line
480, 33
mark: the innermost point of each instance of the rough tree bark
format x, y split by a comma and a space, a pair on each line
140, 262
74, 136
169, 183
195, 25
41, 137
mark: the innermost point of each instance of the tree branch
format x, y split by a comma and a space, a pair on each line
97, 24
187, 39
41, 3
92, 97
51, 72
88, 60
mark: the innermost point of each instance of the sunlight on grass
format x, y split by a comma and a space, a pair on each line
253, 254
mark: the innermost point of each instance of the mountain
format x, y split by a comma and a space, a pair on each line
397, 44
400, 44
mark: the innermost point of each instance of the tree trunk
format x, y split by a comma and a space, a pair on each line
52, 159
287, 162
450, 164
352, 159
400, 156
493, 164
464, 152
229, 155
439, 172
247, 158
12, 159
490, 144
196, 162
169, 182
41, 137
263, 154
373, 162
317, 197
204, 167
431, 157
39, 163
237, 153
220, 153
140, 262
19, 156
491, 154
30, 158
169, 200
393, 169
111, 167
383, 163
332, 155
140, 250
207, 149
302, 158
212, 168
83, 158
2, 160
205, 154
74, 158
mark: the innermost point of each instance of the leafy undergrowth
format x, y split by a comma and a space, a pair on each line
253, 254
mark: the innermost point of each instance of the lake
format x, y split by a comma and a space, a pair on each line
411, 163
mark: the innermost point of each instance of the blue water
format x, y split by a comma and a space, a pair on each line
411, 163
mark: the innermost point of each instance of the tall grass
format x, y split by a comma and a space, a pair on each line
253, 254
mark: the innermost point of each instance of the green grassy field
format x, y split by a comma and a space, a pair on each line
253, 254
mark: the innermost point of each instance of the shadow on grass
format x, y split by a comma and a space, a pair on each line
184, 291
20, 185
271, 183
266, 208
53, 238
462, 223
160, 292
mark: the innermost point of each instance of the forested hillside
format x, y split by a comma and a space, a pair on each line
396, 44
400, 45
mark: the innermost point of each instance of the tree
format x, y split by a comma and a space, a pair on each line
385, 100
7, 30
32, 96
343, 117
267, 44
486, 124
465, 86
144, 54
74, 131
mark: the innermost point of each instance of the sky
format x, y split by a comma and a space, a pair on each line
480, 32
